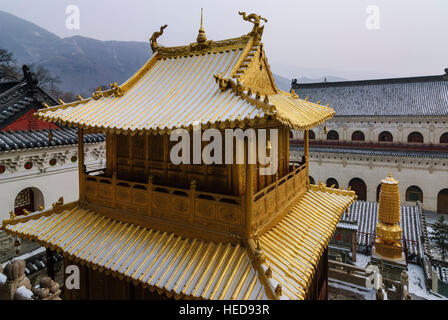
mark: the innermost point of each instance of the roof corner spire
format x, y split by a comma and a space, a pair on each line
201, 35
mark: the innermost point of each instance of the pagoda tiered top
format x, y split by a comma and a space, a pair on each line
221, 84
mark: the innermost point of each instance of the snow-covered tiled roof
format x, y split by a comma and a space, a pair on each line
413, 96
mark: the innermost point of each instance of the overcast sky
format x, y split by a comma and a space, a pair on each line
311, 38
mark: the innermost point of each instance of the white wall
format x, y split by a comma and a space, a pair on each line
54, 182
430, 178
52, 185
400, 127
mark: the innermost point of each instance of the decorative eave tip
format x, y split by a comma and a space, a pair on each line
257, 30
154, 37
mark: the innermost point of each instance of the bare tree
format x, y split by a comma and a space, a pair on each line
8, 69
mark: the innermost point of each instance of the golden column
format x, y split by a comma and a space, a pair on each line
388, 230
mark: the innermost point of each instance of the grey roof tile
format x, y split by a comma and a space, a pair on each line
22, 139
415, 96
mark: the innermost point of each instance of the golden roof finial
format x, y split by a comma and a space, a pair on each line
201, 35
390, 173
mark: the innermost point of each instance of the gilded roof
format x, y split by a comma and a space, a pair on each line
294, 246
180, 267
224, 83
193, 268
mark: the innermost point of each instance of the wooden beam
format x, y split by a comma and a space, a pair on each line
306, 149
81, 167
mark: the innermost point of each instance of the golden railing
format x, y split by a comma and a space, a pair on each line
272, 202
220, 212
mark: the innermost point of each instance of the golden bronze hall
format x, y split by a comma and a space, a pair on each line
145, 228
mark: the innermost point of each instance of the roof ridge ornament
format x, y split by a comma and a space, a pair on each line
256, 31
97, 94
154, 37
116, 89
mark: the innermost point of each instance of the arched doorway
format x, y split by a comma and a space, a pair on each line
360, 188
358, 136
311, 135
30, 199
332, 135
311, 180
444, 138
332, 181
378, 190
385, 136
442, 201
414, 193
415, 137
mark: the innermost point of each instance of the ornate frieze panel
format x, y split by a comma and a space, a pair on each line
42, 159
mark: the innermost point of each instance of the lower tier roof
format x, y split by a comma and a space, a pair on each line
21, 139
191, 267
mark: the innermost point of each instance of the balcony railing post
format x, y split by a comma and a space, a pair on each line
150, 195
249, 199
306, 146
114, 189
192, 201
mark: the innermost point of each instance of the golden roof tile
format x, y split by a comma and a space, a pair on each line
176, 88
192, 268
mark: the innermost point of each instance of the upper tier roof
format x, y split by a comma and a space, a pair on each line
224, 83
413, 96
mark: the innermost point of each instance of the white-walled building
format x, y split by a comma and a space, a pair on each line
399, 124
38, 160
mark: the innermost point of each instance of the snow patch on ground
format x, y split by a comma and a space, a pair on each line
2, 278
367, 294
24, 292
417, 283
362, 260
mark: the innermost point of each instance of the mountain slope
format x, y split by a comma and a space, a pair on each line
81, 63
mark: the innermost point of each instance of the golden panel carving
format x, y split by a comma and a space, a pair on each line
228, 214
206, 209
105, 191
161, 201
181, 205
123, 194
140, 197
